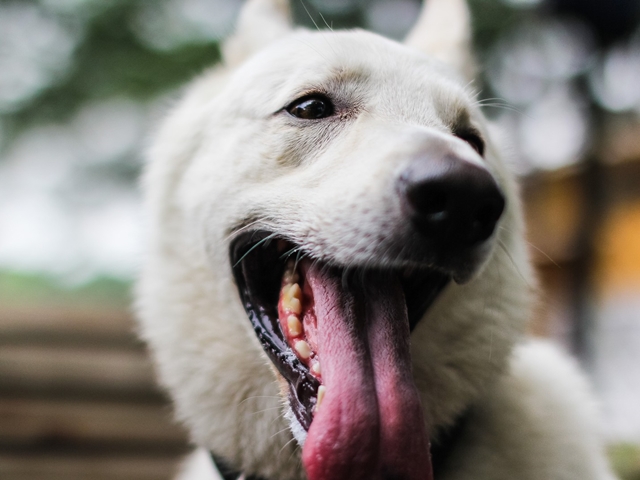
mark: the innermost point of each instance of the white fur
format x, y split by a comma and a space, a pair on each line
223, 156
537, 422
198, 466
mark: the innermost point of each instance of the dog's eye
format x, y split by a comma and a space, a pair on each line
474, 139
311, 108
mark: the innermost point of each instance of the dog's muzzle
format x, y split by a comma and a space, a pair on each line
340, 334
454, 205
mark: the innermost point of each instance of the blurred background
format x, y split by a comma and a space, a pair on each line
82, 84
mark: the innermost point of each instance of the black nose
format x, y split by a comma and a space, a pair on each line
452, 202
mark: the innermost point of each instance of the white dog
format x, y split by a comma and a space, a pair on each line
337, 283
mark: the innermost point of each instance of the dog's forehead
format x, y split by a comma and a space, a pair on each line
353, 60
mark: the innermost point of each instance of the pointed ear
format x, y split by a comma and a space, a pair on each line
443, 30
260, 22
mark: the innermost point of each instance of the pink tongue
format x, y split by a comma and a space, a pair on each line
370, 424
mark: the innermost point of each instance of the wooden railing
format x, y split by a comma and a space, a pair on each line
78, 399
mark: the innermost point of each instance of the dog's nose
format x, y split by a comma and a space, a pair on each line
452, 202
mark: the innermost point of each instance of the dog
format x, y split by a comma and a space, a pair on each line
337, 283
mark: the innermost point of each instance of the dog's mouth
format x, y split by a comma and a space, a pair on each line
340, 337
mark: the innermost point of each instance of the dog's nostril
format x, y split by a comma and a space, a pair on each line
484, 219
430, 202
453, 203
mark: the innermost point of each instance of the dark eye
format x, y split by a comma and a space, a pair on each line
311, 108
474, 139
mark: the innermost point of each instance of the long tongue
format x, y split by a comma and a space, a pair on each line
370, 424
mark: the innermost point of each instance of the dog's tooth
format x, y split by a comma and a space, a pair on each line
295, 325
292, 305
303, 349
291, 296
321, 391
315, 368
296, 298
296, 306
295, 291
292, 290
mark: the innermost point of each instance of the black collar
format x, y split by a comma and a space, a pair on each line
440, 451
227, 472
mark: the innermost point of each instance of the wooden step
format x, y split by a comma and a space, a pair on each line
77, 372
87, 467
78, 399
68, 326
34, 424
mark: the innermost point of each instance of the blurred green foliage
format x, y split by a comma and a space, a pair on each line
33, 290
110, 60
625, 458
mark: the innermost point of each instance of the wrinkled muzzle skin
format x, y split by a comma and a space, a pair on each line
231, 159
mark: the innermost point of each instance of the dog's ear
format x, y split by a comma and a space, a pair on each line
443, 30
260, 22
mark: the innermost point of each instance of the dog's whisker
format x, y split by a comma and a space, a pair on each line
534, 247
286, 255
276, 418
279, 432
279, 407
255, 397
261, 242
298, 254
296, 449
237, 232
286, 445
472, 92
544, 253
508, 108
309, 14
316, 25
515, 265
499, 103
492, 99
325, 22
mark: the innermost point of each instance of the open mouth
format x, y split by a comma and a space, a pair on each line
271, 276
340, 337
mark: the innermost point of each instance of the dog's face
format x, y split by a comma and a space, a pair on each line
335, 248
